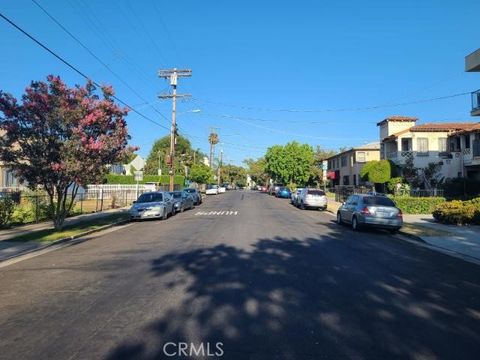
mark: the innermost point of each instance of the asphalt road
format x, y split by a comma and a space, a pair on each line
266, 280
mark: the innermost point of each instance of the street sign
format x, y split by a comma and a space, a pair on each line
138, 175
324, 165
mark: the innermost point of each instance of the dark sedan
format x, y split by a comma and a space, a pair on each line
182, 201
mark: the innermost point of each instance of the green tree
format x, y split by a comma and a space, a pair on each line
256, 170
233, 174
290, 164
159, 152
201, 174
377, 171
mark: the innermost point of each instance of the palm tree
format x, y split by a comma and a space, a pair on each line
213, 140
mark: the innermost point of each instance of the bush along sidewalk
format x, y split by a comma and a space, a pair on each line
417, 205
458, 212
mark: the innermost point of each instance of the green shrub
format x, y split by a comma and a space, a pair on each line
6, 210
455, 212
417, 205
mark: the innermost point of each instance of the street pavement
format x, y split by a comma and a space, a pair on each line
252, 272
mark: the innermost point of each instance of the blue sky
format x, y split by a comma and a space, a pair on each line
251, 59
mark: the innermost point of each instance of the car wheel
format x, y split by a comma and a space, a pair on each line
302, 206
182, 208
165, 214
355, 225
339, 218
393, 231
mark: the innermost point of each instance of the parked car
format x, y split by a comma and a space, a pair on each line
312, 199
212, 190
274, 188
156, 204
222, 189
294, 196
370, 210
283, 193
182, 201
197, 196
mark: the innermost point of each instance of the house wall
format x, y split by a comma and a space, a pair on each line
352, 168
391, 127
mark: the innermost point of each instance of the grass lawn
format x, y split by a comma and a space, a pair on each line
49, 235
419, 230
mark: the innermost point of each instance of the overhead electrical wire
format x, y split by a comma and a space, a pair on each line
353, 109
82, 74
95, 56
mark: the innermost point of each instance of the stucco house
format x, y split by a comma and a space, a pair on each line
401, 137
137, 164
344, 168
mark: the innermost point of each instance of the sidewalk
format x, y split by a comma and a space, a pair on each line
463, 240
9, 249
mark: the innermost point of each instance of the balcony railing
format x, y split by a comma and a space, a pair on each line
476, 148
476, 102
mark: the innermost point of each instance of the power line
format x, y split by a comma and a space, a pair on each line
374, 107
77, 70
95, 57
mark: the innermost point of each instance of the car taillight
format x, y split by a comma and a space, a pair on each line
365, 211
400, 215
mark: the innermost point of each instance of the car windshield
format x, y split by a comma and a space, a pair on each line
378, 200
150, 197
316, 192
176, 194
212, 187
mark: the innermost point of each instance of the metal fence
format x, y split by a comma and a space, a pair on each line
31, 208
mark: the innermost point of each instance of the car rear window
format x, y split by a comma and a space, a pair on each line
151, 197
316, 192
378, 200
176, 195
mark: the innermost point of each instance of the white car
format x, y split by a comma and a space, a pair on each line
212, 190
222, 189
313, 199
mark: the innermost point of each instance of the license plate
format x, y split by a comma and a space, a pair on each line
383, 214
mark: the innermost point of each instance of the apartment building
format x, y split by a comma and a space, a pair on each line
401, 137
344, 168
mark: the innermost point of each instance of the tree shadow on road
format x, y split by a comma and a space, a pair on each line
312, 298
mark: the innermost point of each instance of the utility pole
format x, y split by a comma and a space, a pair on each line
219, 170
173, 75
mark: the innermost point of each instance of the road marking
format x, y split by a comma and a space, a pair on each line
216, 213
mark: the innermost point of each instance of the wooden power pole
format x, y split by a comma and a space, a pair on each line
173, 75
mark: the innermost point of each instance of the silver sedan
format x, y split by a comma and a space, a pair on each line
372, 211
152, 205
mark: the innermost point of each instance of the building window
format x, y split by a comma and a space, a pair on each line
344, 160
361, 156
422, 145
354, 179
467, 141
406, 145
346, 180
442, 144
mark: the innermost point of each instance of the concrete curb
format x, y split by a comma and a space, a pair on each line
413, 237
65, 240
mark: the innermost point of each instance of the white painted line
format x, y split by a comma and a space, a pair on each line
217, 213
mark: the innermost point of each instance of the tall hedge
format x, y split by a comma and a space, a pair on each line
417, 205
130, 179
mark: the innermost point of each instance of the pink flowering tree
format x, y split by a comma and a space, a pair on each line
59, 138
